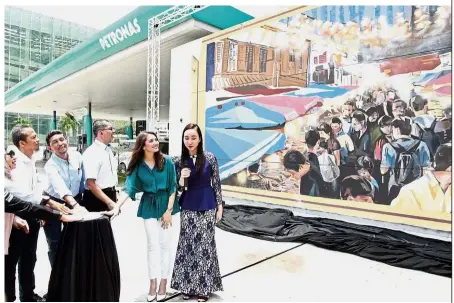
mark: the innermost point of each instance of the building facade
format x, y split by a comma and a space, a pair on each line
32, 41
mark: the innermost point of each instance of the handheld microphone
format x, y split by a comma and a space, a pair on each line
185, 179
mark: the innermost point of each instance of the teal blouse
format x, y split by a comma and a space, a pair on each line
156, 186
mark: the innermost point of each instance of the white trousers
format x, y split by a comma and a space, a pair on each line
161, 246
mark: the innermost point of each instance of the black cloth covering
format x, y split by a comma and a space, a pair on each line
392, 247
92, 203
86, 267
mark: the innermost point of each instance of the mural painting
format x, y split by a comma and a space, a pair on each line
340, 102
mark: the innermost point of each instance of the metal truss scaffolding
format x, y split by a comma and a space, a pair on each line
155, 25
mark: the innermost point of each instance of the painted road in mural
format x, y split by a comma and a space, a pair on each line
341, 102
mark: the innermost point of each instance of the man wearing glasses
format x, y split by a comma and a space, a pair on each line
100, 170
65, 173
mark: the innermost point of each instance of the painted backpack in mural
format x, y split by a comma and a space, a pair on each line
408, 167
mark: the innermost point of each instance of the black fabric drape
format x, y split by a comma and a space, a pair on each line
92, 203
384, 245
86, 267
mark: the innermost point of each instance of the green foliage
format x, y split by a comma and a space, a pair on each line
20, 120
66, 124
120, 127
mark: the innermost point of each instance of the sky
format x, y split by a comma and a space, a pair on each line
99, 17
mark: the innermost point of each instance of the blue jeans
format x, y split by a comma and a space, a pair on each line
52, 229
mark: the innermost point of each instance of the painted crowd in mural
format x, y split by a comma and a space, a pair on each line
340, 102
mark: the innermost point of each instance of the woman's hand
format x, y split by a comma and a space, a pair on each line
113, 213
166, 219
20, 223
219, 213
185, 173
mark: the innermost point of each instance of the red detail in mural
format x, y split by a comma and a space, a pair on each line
322, 58
219, 106
291, 107
409, 65
442, 81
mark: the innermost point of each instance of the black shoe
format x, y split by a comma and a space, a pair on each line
38, 298
34, 298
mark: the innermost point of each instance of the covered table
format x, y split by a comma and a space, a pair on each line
86, 267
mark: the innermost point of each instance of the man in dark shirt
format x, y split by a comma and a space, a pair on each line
297, 165
314, 176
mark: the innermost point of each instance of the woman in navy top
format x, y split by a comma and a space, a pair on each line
196, 271
153, 174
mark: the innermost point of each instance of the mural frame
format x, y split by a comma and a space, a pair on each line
436, 221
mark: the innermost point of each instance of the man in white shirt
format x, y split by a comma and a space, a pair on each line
24, 185
65, 172
100, 170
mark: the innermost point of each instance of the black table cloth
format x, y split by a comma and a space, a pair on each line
86, 267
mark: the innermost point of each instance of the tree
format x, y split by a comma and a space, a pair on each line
120, 127
65, 124
20, 120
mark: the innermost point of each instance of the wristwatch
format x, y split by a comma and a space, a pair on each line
44, 199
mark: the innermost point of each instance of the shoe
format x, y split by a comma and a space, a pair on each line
201, 298
151, 298
38, 298
171, 291
34, 298
161, 297
186, 297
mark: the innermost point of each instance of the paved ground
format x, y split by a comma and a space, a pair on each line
302, 273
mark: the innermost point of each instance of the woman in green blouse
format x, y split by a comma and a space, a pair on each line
153, 174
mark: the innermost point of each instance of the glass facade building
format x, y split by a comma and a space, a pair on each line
33, 40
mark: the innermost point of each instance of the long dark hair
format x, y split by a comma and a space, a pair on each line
200, 161
325, 127
138, 153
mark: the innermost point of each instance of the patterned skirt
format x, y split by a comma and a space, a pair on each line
196, 270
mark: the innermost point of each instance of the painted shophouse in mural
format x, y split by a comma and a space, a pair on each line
339, 102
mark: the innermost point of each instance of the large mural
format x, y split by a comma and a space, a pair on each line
339, 102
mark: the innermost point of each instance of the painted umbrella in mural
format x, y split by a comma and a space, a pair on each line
242, 114
291, 107
235, 130
441, 86
260, 112
237, 149
424, 79
322, 90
